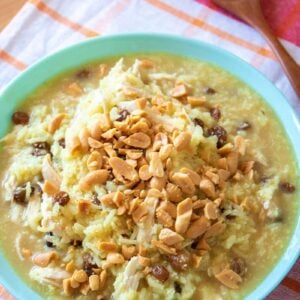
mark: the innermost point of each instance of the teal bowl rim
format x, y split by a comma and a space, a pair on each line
114, 45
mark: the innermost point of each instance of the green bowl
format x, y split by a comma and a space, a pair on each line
99, 48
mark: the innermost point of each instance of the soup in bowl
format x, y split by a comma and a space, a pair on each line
147, 175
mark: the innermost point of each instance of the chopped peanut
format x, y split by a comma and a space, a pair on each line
169, 237
229, 278
184, 213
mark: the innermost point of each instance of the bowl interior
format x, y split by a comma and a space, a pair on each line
99, 48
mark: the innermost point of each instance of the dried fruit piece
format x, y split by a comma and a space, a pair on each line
40, 148
179, 263
19, 195
287, 187
220, 133
83, 74
209, 91
62, 198
238, 265
215, 113
160, 273
20, 118
123, 115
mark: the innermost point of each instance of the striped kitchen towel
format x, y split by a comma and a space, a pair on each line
43, 26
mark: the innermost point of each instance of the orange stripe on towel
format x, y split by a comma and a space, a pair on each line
5, 56
61, 19
212, 29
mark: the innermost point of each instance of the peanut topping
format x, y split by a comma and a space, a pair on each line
94, 282
94, 161
210, 211
208, 188
184, 182
55, 123
169, 237
80, 276
128, 252
115, 258
182, 141
184, 213
156, 167
107, 246
44, 259
138, 140
50, 188
229, 278
144, 172
197, 228
93, 178
196, 101
179, 91
165, 151
122, 169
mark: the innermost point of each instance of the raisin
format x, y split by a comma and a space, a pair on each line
123, 115
160, 273
244, 126
88, 264
199, 122
287, 187
179, 262
20, 118
40, 148
83, 74
177, 287
215, 113
62, 198
76, 243
95, 200
238, 265
210, 91
49, 244
220, 133
19, 195
62, 143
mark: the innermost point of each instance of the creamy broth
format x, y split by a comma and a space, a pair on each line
258, 201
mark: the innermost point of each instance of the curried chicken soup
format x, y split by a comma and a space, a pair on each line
146, 177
